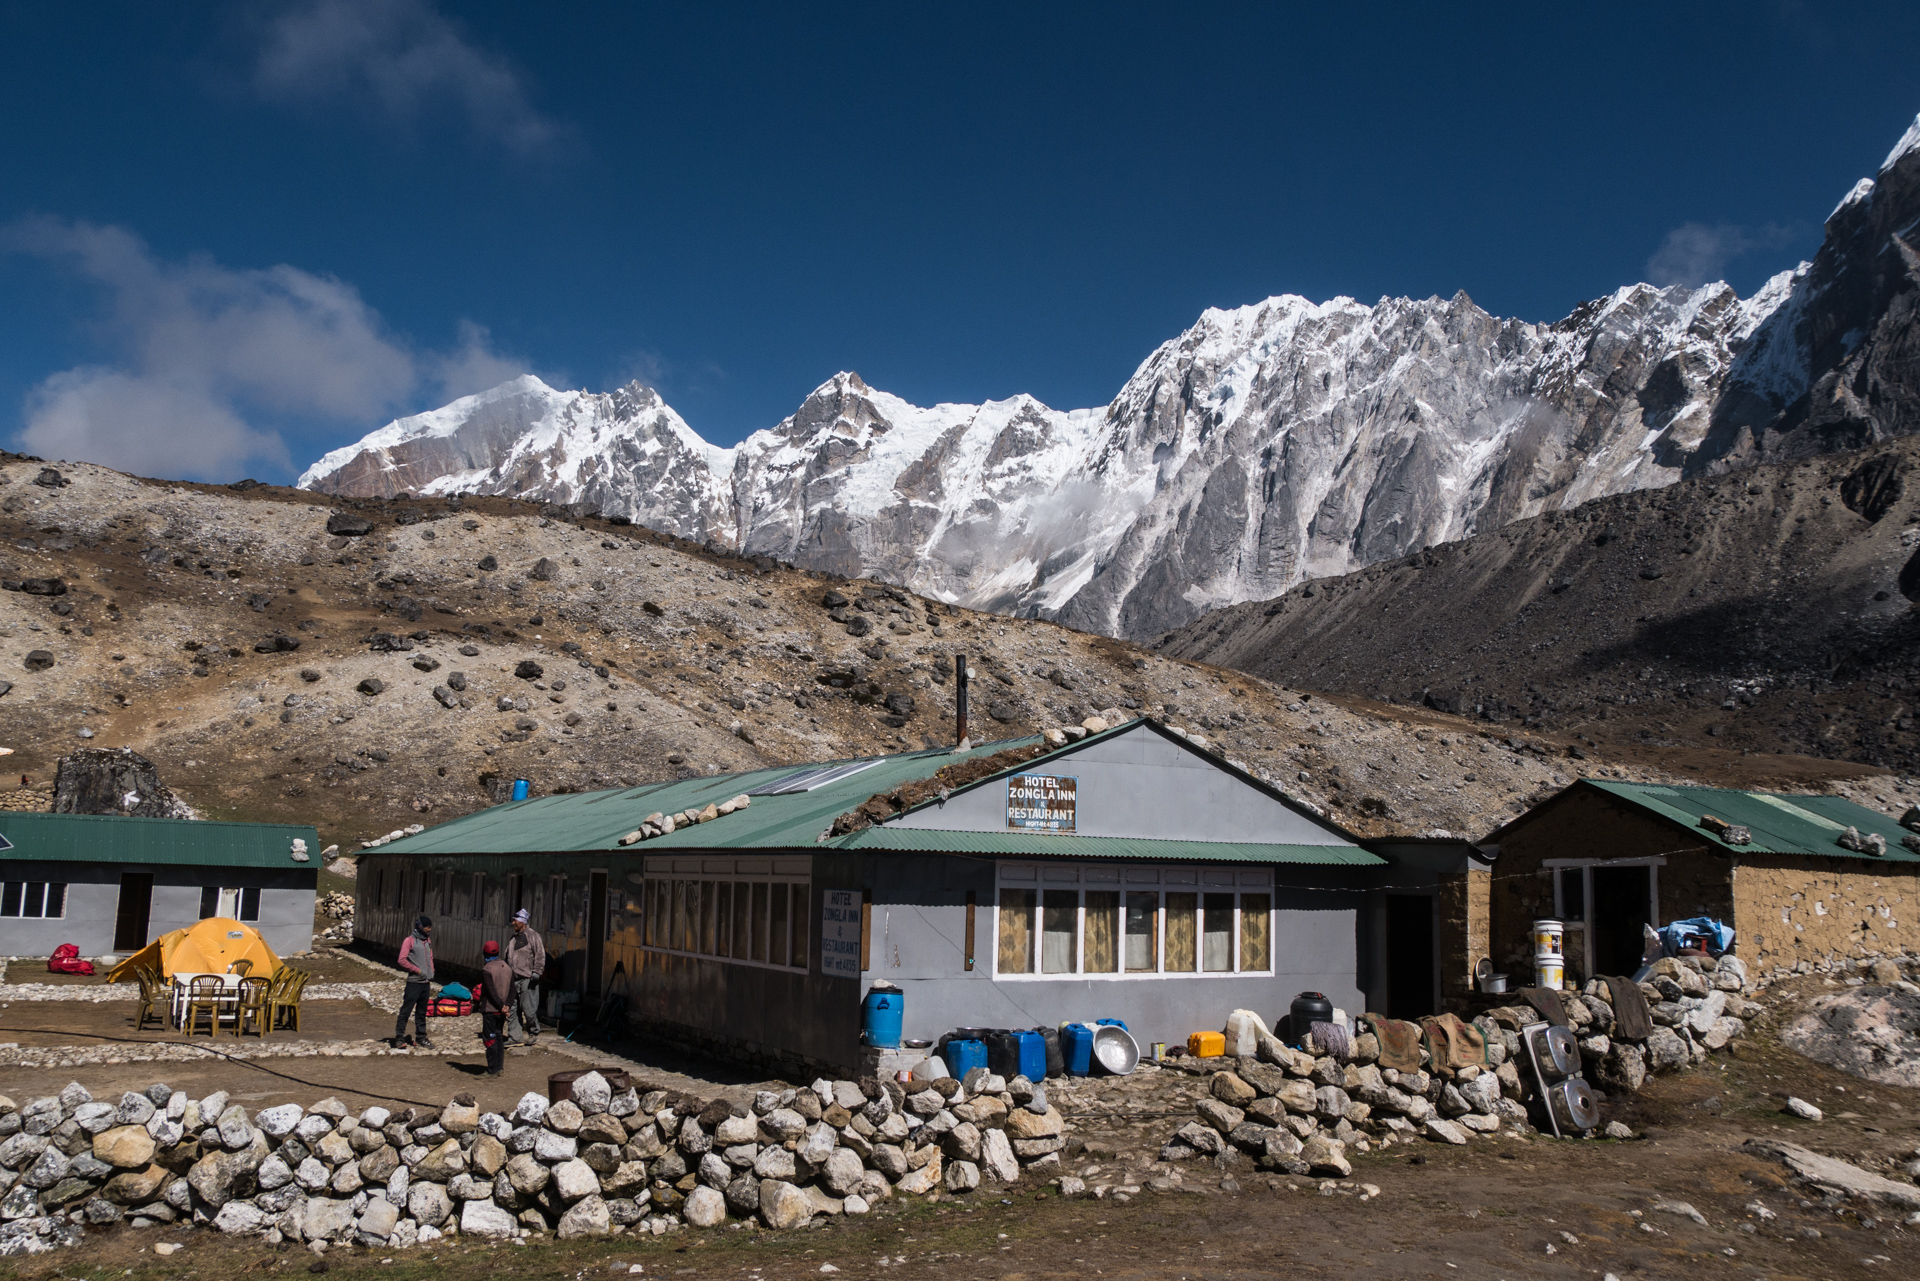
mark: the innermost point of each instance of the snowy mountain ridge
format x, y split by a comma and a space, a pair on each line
1268, 443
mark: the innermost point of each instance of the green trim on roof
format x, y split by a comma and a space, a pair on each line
1781, 823
114, 838
1067, 845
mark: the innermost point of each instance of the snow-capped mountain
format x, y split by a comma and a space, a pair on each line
1268, 443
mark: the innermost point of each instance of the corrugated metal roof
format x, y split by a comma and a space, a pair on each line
584, 822
597, 820
112, 838
1781, 823
1067, 845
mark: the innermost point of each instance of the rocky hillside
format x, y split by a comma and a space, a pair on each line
370, 664
1769, 610
1267, 445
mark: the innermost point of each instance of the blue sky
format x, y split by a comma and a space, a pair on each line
234, 237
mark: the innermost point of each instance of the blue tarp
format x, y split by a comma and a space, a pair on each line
1718, 938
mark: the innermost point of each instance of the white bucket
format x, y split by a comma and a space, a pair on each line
1549, 974
1549, 940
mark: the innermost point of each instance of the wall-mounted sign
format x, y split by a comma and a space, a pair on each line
1041, 802
840, 933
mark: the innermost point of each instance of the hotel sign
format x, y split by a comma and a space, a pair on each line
1041, 802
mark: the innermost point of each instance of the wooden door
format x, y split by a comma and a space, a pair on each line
136, 906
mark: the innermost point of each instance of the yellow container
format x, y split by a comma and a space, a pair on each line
1206, 1045
1549, 974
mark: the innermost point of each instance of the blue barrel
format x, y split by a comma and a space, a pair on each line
1076, 1047
1033, 1055
880, 1016
1119, 1023
963, 1056
519, 789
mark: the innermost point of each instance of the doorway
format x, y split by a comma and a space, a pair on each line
1410, 972
136, 906
596, 933
1622, 909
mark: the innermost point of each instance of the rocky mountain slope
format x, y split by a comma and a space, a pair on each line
1766, 610
368, 664
1266, 445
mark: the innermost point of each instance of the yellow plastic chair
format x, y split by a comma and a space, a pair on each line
286, 1001
252, 1009
242, 967
204, 994
154, 1003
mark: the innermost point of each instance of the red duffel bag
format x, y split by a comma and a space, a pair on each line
66, 959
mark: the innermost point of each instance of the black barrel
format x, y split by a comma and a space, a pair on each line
1307, 1009
1003, 1053
1056, 1062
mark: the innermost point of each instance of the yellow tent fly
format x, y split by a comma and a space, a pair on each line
207, 947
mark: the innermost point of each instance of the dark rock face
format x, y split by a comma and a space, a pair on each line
347, 525
99, 780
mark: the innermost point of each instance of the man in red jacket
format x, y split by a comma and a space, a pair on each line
496, 987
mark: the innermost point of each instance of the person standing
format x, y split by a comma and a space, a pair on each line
416, 960
496, 990
527, 961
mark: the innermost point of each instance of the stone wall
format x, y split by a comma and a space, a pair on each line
1465, 903
603, 1162
1790, 910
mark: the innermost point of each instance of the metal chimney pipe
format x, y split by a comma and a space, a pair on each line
959, 698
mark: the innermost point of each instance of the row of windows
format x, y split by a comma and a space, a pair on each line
471, 896
1075, 931
33, 898
752, 921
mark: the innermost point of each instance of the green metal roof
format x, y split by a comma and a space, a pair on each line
591, 821
597, 820
1781, 823
1068, 845
114, 838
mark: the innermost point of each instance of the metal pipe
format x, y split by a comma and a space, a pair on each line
959, 698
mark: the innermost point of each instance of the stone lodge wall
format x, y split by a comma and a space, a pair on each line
1807, 909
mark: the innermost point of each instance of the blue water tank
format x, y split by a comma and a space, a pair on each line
1033, 1055
964, 1055
1076, 1047
519, 789
880, 1016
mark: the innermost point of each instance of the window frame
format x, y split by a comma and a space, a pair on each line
17, 891
1125, 881
1582, 926
663, 928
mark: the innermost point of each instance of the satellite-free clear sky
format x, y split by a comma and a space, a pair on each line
232, 237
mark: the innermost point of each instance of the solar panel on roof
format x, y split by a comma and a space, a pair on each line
808, 779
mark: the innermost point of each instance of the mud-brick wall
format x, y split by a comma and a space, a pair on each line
1808, 909
1465, 931
1695, 880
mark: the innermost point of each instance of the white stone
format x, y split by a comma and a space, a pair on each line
480, 1219
1805, 1110
705, 1208
278, 1122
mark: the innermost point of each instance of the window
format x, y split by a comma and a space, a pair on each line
734, 917
240, 903
556, 902
33, 898
1114, 921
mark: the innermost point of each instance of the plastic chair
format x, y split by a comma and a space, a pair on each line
153, 1000
204, 994
242, 967
286, 1001
252, 1008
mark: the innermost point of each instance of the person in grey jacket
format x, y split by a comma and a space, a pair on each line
527, 960
416, 959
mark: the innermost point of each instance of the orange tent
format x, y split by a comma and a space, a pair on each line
207, 947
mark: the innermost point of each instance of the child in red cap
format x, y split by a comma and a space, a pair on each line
496, 983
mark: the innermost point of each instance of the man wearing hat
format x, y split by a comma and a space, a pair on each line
416, 960
496, 989
527, 961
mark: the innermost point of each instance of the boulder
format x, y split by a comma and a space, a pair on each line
428, 1203
462, 1116
485, 1219
136, 1187
1665, 1051
842, 1172
783, 1206
378, 1220
565, 1117
1228, 1088
1623, 1070
1022, 1124
239, 1217
705, 1208
1445, 1131
1220, 1116
531, 1110
591, 1093
124, 1147
923, 1180
587, 1218
1326, 1156
325, 1220
961, 1176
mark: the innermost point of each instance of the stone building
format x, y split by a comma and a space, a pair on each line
112, 884
1608, 858
1131, 875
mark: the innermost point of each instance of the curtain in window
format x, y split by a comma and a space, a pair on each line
1256, 931
1016, 931
777, 935
1216, 943
677, 927
707, 901
1183, 912
722, 917
1103, 918
758, 938
1060, 911
1143, 930
742, 920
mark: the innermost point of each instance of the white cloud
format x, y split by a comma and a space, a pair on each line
1695, 253
207, 351
402, 58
